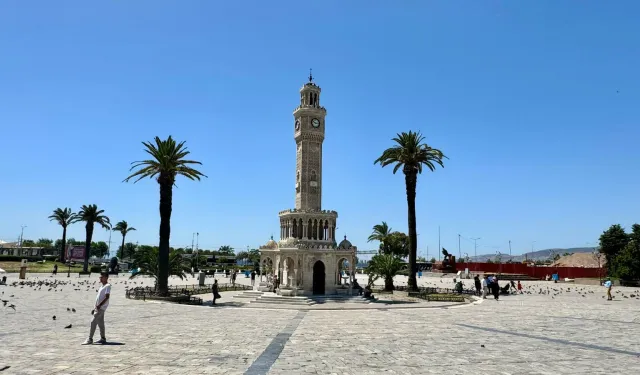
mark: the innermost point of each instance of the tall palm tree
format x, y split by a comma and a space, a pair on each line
91, 215
411, 155
380, 233
123, 228
64, 217
167, 162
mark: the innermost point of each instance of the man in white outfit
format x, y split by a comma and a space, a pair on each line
485, 287
102, 302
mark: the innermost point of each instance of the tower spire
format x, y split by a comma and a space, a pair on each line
310, 75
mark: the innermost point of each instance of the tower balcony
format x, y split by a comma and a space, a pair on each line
318, 226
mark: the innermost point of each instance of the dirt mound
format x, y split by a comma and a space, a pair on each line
586, 260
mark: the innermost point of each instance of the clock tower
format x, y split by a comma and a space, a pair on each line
309, 130
308, 258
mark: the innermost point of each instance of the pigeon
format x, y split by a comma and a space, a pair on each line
69, 326
68, 309
73, 309
4, 302
12, 306
54, 317
482, 346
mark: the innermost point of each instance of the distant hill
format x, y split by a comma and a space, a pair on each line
536, 255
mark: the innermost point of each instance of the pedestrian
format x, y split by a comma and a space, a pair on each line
495, 288
608, 284
233, 277
478, 285
485, 287
55, 270
101, 304
519, 287
253, 278
214, 290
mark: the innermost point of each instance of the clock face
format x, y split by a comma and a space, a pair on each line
315, 122
297, 124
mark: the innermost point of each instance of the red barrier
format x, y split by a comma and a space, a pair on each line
538, 272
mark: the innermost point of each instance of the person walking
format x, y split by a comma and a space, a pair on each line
214, 290
478, 285
55, 270
608, 284
233, 277
101, 304
495, 288
253, 278
519, 287
485, 287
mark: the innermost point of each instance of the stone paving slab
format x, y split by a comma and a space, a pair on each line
560, 332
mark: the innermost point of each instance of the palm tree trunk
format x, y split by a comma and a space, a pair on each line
87, 246
388, 284
166, 196
411, 178
64, 245
122, 254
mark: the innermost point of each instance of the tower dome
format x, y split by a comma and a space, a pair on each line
345, 244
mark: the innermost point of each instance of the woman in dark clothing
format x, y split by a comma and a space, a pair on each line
476, 280
496, 288
214, 290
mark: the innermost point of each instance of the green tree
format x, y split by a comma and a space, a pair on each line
397, 243
64, 217
147, 259
45, 242
226, 250
28, 243
385, 266
612, 242
99, 249
628, 262
168, 160
380, 233
433, 260
129, 250
91, 215
411, 154
421, 260
124, 228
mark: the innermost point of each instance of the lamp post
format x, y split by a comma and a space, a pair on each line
21, 234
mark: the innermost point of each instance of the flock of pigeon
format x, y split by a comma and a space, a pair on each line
53, 285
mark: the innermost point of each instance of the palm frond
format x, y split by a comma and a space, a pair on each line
168, 159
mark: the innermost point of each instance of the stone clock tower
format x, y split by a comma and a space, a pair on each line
309, 135
307, 258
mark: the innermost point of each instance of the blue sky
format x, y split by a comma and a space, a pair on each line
535, 103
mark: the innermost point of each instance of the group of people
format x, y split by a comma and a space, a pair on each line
490, 285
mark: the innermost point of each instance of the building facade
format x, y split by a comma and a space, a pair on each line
307, 259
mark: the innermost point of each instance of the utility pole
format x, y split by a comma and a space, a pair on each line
509, 247
21, 234
459, 251
475, 247
439, 248
192, 238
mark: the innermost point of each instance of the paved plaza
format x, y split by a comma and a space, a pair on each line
569, 330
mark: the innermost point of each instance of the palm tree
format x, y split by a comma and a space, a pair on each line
123, 228
411, 155
146, 260
385, 266
380, 233
63, 217
167, 162
91, 215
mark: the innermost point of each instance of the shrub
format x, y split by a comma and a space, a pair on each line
11, 258
95, 269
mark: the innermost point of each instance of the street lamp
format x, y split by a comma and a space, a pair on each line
21, 234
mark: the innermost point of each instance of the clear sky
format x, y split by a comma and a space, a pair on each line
536, 103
